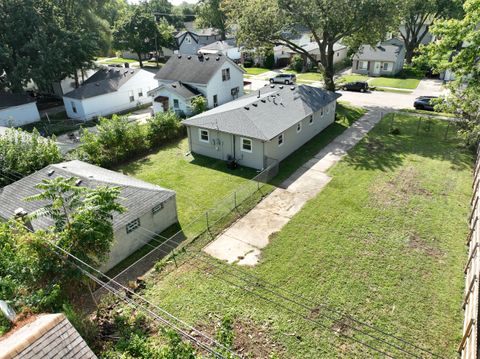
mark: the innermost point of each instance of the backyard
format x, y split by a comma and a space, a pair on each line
383, 242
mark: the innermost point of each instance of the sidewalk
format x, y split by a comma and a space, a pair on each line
242, 242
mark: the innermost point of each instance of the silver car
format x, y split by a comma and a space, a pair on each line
286, 79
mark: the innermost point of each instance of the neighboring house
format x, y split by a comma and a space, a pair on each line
183, 77
269, 124
147, 206
386, 58
227, 48
60, 88
109, 90
340, 51
282, 55
190, 41
47, 336
17, 110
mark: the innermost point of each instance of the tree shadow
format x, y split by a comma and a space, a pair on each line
221, 166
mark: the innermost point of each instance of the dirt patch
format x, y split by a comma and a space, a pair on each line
418, 244
343, 326
374, 146
398, 191
250, 339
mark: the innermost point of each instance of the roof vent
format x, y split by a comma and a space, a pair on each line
263, 100
50, 172
78, 182
272, 86
117, 70
132, 71
179, 56
254, 104
280, 87
292, 88
207, 58
218, 58
97, 84
174, 86
20, 212
247, 108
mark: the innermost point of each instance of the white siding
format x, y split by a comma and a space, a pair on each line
114, 102
19, 115
216, 86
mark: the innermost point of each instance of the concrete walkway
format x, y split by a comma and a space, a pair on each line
242, 242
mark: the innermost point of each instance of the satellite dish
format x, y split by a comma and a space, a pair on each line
7, 311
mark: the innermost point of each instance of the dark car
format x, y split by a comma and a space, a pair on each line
361, 86
286, 79
425, 103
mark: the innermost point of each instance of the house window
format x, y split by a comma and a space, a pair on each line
235, 92
188, 39
204, 136
321, 112
310, 120
328, 109
175, 103
299, 127
157, 208
225, 74
246, 145
74, 108
133, 225
363, 65
280, 140
215, 100
385, 66
131, 96
140, 93
338, 54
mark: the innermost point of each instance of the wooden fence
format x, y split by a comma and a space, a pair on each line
469, 345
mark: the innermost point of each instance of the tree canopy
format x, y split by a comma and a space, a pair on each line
210, 13
276, 22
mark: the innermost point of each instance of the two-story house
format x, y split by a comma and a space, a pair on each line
190, 41
183, 77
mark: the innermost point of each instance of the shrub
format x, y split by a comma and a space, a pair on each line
297, 63
163, 127
22, 153
199, 104
269, 60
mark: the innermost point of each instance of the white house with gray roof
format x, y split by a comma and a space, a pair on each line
269, 124
183, 77
226, 47
386, 58
109, 90
17, 110
148, 207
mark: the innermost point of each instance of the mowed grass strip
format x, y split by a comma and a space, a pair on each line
384, 242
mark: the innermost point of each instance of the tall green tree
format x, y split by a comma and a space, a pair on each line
419, 15
273, 22
458, 49
211, 13
138, 31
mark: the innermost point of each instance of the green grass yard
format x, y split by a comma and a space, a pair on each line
398, 83
117, 60
383, 242
254, 71
306, 77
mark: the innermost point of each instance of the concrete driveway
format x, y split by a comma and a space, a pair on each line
242, 242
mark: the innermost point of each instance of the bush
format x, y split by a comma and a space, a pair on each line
297, 63
199, 104
163, 127
269, 60
22, 153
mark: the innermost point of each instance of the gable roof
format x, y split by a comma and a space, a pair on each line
266, 113
385, 51
183, 90
48, 336
194, 69
14, 99
105, 80
137, 196
313, 47
219, 45
199, 32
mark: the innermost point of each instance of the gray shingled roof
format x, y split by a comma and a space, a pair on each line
199, 32
266, 113
192, 68
183, 90
105, 80
14, 99
220, 45
385, 51
137, 196
49, 336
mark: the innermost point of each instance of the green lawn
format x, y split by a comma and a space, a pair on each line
255, 70
407, 84
118, 60
384, 241
306, 76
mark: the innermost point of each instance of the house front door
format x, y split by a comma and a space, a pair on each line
163, 100
376, 68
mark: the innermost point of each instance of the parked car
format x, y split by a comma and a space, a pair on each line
284, 79
425, 103
361, 86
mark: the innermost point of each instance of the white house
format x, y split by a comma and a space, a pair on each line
386, 58
227, 48
183, 77
339, 51
109, 90
149, 208
269, 124
17, 110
